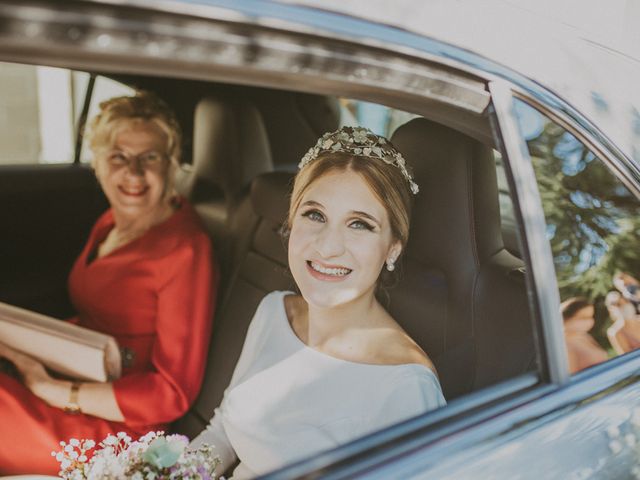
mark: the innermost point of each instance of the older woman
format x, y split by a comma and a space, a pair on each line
144, 277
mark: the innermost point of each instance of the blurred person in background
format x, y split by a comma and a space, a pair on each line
582, 349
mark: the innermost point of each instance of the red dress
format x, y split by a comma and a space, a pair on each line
155, 295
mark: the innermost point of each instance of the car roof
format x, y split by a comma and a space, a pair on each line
587, 52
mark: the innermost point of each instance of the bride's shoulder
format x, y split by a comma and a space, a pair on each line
393, 346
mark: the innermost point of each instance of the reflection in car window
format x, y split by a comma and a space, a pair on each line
592, 223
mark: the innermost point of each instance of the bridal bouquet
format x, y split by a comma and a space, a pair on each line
153, 456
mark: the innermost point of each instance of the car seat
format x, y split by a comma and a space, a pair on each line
462, 295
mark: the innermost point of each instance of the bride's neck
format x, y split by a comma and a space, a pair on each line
326, 323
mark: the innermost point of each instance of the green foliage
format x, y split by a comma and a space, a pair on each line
592, 219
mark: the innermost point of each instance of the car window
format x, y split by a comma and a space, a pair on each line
37, 126
40, 108
378, 118
593, 226
507, 214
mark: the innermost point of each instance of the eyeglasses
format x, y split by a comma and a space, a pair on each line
146, 160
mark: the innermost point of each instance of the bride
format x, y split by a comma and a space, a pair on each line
330, 364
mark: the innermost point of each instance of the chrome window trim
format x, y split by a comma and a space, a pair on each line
324, 22
214, 50
540, 259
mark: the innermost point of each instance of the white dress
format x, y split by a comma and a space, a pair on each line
287, 401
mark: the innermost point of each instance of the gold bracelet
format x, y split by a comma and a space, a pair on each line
72, 405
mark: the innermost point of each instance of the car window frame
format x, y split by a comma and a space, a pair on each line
82, 119
618, 164
540, 270
428, 430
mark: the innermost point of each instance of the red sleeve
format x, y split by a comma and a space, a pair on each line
186, 298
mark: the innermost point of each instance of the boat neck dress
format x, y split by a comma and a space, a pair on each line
287, 401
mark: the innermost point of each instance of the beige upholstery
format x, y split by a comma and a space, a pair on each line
259, 268
294, 123
230, 147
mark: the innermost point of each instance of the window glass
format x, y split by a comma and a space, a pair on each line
39, 107
103, 89
593, 226
378, 118
507, 215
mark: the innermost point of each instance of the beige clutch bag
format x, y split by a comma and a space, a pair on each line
65, 348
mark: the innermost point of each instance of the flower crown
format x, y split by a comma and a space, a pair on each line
363, 143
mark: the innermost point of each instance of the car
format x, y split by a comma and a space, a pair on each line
523, 130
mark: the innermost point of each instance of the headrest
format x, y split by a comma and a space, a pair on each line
296, 121
457, 209
230, 145
270, 194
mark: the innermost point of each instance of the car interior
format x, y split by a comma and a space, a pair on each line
461, 292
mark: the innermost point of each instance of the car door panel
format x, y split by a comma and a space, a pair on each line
46, 212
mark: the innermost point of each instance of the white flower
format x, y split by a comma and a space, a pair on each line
117, 457
615, 446
630, 439
360, 135
75, 442
613, 431
635, 417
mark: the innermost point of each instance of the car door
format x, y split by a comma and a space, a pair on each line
577, 205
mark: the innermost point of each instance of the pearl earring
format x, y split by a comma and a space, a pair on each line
390, 266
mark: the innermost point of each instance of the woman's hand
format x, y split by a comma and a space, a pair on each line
37, 379
97, 399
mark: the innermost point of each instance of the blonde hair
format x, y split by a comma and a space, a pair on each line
143, 107
385, 181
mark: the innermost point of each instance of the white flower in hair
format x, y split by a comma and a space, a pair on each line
362, 142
